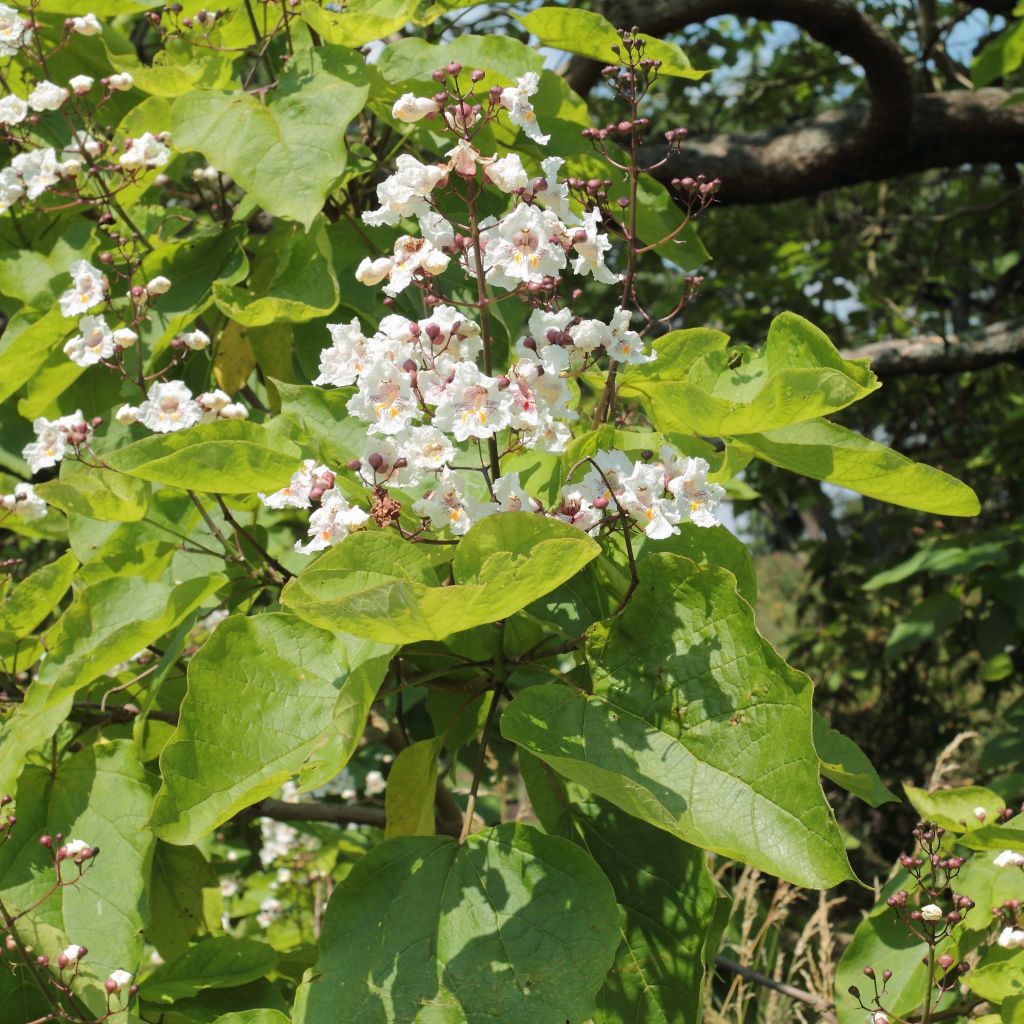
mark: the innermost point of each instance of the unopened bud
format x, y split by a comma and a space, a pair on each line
453, 68
355, 465
376, 460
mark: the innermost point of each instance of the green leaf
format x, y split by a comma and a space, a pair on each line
107, 623
999, 975
927, 620
98, 493
224, 457
307, 693
180, 873
28, 603
694, 725
253, 1017
826, 451
954, 809
710, 548
376, 587
361, 22
324, 421
846, 765
591, 35
1000, 57
512, 926
943, 561
29, 338
288, 152
216, 962
797, 376
409, 798
666, 900
102, 796
292, 279
677, 352
177, 69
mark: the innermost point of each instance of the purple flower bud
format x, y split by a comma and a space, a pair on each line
316, 493
503, 382
478, 75
453, 68
945, 961
601, 502
355, 465
376, 460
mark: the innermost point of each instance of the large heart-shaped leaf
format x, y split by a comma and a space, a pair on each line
285, 153
378, 586
695, 725
512, 926
307, 693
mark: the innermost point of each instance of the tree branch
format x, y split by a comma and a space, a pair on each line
338, 814
933, 353
823, 1006
897, 133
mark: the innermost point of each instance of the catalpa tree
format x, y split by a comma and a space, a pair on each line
372, 646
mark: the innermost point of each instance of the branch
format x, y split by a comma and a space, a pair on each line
932, 353
897, 133
946, 129
338, 814
823, 1006
839, 24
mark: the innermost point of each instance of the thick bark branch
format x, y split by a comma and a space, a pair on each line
1001, 342
896, 133
946, 129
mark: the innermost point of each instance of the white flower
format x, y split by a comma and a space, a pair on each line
931, 912
94, 344
641, 498
127, 415
38, 169
878, 1017
83, 142
24, 502
14, 34
118, 981
409, 107
375, 784
1009, 859
74, 953
427, 450
270, 910
507, 173
47, 96
169, 406
555, 194
371, 272
697, 498
51, 440
86, 25
980, 813
473, 405
519, 249
228, 887
516, 100
510, 495
462, 158
1011, 938
160, 285
234, 411
121, 82
589, 335
448, 505
404, 193
11, 188
13, 109
145, 151
626, 346
550, 435
384, 399
196, 340
447, 332
212, 402
332, 522
208, 174
346, 358
88, 287
296, 494
590, 250
576, 510
614, 468
81, 84
73, 847
435, 229
412, 255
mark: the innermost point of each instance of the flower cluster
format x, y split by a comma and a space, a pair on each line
427, 389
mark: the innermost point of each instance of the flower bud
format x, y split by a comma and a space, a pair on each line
945, 961
376, 460
453, 68
354, 465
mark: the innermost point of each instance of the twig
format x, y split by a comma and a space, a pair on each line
823, 1006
